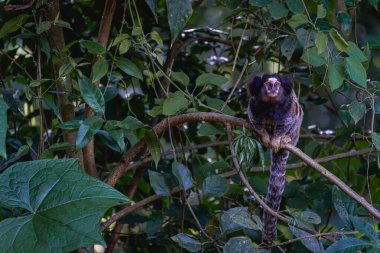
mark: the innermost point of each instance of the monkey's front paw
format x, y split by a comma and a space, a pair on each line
275, 144
285, 140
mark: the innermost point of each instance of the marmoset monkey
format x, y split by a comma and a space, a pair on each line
276, 115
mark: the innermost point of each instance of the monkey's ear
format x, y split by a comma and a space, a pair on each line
287, 83
254, 86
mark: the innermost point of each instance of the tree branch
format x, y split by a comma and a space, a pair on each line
334, 179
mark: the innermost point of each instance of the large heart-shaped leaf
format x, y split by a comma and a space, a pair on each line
62, 206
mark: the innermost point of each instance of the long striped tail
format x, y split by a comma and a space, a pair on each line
276, 187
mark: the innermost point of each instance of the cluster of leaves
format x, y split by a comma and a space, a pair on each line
161, 62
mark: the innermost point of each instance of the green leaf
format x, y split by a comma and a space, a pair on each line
92, 95
356, 71
92, 47
374, 3
348, 245
65, 69
210, 78
259, 3
335, 76
227, 225
354, 51
321, 42
152, 6
70, 125
295, 6
87, 130
62, 206
288, 46
99, 69
377, 107
120, 38
310, 217
187, 242
312, 57
278, 10
344, 206
297, 20
131, 123
128, 67
311, 243
215, 186
157, 38
3, 127
180, 77
344, 20
124, 46
36, 83
43, 27
179, 12
183, 175
365, 228
154, 146
217, 104
207, 129
118, 136
376, 140
159, 183
13, 25
175, 103
239, 244
357, 110
339, 42
240, 216
321, 11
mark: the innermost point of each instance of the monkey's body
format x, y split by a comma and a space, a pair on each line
276, 115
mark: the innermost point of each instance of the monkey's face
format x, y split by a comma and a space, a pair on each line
272, 87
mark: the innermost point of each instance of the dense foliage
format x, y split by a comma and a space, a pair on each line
142, 96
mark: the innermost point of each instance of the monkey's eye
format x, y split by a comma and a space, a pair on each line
272, 83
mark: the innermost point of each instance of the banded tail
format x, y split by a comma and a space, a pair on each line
276, 187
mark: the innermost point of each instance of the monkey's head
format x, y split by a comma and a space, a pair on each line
270, 88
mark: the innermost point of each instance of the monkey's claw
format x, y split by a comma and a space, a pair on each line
285, 140
275, 144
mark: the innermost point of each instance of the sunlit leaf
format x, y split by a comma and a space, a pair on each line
321, 11
312, 57
339, 42
99, 69
356, 71
297, 20
321, 42
335, 76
